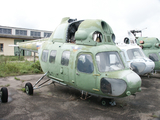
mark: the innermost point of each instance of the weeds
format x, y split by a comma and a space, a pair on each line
11, 58
154, 116
23, 89
5, 85
9, 68
16, 78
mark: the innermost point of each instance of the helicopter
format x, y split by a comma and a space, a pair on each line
134, 56
150, 47
4, 94
81, 54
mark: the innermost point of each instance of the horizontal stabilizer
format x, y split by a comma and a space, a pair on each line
13, 45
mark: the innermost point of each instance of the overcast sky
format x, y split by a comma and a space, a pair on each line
121, 15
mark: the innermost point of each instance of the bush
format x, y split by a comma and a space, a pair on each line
18, 68
12, 67
37, 66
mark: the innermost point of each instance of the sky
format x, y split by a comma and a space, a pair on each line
121, 15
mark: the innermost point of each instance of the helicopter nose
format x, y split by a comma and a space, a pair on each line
142, 68
134, 83
138, 67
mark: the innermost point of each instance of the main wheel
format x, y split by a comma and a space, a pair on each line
29, 88
4, 96
105, 101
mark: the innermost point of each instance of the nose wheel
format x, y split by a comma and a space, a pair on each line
4, 94
107, 102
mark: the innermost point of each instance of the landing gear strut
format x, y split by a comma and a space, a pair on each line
4, 94
29, 88
85, 95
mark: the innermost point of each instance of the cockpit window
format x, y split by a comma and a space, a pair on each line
135, 53
60, 31
109, 61
153, 57
124, 58
85, 63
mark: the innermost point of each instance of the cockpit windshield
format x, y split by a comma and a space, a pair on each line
109, 61
135, 53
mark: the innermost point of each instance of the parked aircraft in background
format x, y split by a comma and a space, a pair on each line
82, 55
136, 59
134, 56
150, 47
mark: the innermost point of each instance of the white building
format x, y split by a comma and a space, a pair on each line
12, 35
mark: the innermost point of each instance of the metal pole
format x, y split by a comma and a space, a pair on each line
34, 57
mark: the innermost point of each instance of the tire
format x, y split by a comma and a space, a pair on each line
29, 88
4, 96
105, 102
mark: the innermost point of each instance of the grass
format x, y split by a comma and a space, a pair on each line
5, 85
154, 116
16, 78
10, 68
11, 58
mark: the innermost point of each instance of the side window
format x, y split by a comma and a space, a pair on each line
85, 63
153, 57
52, 56
97, 36
65, 58
45, 55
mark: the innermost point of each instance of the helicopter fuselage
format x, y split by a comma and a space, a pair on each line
85, 68
82, 54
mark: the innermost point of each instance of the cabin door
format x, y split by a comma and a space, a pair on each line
85, 72
59, 68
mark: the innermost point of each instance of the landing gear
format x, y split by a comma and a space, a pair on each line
29, 88
107, 102
4, 94
85, 95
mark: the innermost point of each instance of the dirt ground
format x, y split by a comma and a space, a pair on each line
61, 102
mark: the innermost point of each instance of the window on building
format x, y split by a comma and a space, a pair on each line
52, 56
85, 63
5, 31
47, 34
21, 32
45, 55
35, 34
1, 47
65, 58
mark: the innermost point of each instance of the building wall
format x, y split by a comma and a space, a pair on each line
11, 35
6, 49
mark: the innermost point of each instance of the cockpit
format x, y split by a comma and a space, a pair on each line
72, 28
109, 61
135, 53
